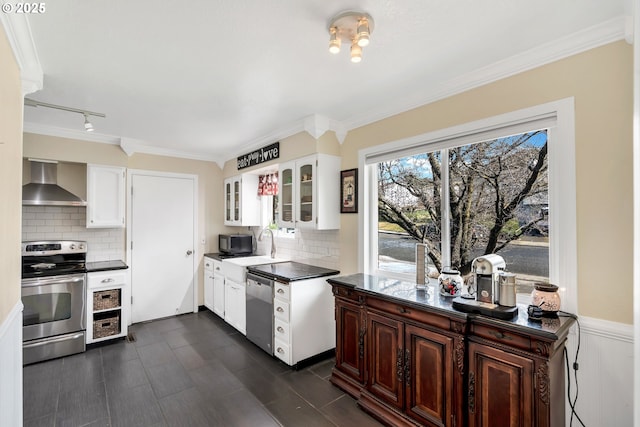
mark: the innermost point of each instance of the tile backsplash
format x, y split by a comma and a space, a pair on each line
322, 248
69, 223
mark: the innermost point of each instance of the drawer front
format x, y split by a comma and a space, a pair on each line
282, 351
347, 293
439, 321
282, 331
208, 264
281, 310
106, 278
105, 300
502, 336
282, 291
217, 267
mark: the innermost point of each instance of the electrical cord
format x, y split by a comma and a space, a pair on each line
572, 404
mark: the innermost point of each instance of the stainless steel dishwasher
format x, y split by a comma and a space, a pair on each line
260, 311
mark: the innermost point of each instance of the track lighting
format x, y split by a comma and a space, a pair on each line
351, 27
88, 126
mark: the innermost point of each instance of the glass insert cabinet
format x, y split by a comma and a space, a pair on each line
309, 193
241, 201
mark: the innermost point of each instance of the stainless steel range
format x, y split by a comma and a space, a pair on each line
53, 295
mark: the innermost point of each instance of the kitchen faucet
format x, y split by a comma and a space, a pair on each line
273, 240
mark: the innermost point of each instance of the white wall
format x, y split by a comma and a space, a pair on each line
11, 362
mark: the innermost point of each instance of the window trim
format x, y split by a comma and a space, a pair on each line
562, 188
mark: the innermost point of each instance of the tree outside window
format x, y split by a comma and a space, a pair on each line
488, 197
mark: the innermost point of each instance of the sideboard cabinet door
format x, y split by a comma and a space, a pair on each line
429, 376
500, 388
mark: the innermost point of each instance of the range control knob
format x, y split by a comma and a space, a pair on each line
81, 247
72, 246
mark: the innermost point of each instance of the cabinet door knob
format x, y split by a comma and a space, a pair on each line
280, 291
107, 280
280, 329
280, 350
280, 310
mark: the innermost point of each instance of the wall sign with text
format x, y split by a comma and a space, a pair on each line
261, 155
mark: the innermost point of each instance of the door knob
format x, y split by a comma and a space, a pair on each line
189, 252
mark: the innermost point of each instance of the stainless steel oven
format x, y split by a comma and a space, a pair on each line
53, 296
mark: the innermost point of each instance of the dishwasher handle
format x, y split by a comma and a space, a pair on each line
259, 280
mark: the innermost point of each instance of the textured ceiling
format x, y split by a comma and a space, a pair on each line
214, 77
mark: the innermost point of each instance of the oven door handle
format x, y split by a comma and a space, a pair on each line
53, 280
53, 340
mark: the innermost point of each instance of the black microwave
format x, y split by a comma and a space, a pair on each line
235, 244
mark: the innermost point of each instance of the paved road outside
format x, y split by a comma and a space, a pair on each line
522, 258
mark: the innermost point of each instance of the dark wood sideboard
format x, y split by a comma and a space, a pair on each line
410, 359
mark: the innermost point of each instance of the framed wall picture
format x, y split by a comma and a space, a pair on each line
349, 191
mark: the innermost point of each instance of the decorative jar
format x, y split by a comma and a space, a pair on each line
450, 282
546, 296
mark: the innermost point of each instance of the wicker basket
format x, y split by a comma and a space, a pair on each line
106, 325
104, 300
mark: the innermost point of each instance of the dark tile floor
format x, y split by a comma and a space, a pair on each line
190, 370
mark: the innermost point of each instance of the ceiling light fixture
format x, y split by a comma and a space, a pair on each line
334, 41
356, 52
351, 27
87, 124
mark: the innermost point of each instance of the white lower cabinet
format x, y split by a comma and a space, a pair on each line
107, 294
218, 294
208, 283
235, 311
304, 322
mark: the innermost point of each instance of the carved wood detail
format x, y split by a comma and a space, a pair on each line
542, 348
542, 376
399, 366
472, 392
407, 367
458, 328
459, 355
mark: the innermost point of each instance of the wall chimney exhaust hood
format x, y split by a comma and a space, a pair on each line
43, 189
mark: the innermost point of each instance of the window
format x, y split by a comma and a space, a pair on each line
487, 197
432, 198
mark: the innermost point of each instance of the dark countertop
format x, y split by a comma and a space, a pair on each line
92, 267
219, 256
291, 271
431, 300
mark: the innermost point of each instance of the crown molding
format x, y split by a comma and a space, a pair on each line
82, 135
590, 38
133, 146
18, 31
129, 145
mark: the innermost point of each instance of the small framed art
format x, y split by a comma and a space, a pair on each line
349, 191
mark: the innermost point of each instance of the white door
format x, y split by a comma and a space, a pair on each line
162, 262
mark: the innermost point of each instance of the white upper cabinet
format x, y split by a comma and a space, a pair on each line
241, 201
310, 193
105, 196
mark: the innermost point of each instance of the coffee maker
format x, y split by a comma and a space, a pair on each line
486, 270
